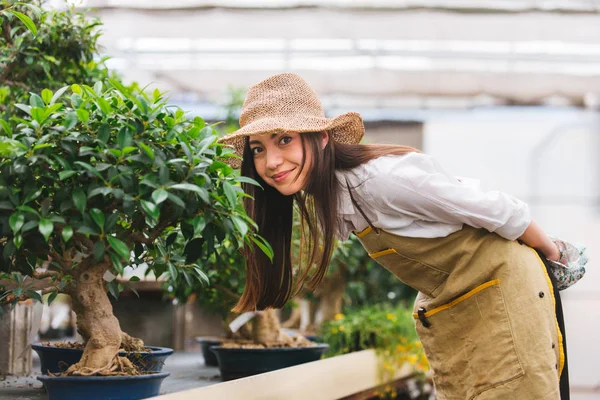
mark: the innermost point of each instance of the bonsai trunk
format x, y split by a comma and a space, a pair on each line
97, 324
265, 327
331, 295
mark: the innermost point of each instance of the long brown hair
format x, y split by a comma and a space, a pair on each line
271, 284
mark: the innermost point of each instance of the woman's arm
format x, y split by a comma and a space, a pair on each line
535, 237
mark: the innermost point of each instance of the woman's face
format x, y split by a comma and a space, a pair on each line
278, 160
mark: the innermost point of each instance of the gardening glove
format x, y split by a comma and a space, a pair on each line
571, 265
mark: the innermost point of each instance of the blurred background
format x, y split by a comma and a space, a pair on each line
507, 92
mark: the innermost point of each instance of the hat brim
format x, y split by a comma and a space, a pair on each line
346, 128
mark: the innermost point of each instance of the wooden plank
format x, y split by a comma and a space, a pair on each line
331, 378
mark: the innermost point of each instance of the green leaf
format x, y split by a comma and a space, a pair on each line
67, 233
119, 247
36, 101
98, 87
104, 133
98, 217
83, 115
159, 195
104, 105
28, 209
150, 208
34, 295
24, 107
116, 262
230, 193
124, 137
251, 181
52, 297
176, 200
90, 168
192, 188
46, 227
47, 95
199, 224
32, 196
264, 246
18, 240
58, 93
79, 199
76, 88
70, 120
6, 127
98, 250
146, 149
25, 20
240, 225
62, 175
16, 222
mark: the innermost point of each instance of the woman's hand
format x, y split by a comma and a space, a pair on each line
535, 237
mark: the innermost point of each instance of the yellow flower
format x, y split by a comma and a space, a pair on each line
391, 317
342, 328
334, 330
339, 316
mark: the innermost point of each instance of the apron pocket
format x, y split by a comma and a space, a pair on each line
469, 343
411, 271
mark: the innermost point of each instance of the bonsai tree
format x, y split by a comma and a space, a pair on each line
41, 48
93, 179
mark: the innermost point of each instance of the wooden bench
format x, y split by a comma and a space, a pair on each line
350, 376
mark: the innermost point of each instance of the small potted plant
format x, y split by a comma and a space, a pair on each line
390, 331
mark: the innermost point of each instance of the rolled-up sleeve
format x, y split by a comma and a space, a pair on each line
416, 185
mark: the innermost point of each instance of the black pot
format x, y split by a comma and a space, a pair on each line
57, 360
103, 387
238, 363
210, 359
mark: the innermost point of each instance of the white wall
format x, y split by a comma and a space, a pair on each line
548, 157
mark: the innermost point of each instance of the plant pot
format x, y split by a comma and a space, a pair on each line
103, 387
238, 363
57, 360
210, 359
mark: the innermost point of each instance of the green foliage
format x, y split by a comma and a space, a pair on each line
108, 171
223, 280
390, 330
42, 48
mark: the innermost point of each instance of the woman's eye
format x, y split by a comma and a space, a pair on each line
285, 140
256, 150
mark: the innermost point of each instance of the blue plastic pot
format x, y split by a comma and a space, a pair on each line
239, 363
103, 387
57, 360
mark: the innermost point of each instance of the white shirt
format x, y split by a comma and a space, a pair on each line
411, 195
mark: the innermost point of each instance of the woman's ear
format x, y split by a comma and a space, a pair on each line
324, 139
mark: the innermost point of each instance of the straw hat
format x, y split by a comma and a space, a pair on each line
286, 103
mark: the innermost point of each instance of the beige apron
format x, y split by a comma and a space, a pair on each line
484, 313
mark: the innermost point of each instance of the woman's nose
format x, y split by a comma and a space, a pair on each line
274, 159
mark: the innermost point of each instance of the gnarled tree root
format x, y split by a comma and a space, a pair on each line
117, 366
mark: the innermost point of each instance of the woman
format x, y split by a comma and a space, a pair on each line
485, 311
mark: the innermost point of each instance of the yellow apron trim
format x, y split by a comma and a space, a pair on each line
382, 253
364, 232
561, 362
461, 298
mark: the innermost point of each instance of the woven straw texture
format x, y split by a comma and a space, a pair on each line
286, 103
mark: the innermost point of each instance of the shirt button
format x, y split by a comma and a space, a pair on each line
556, 366
553, 345
541, 294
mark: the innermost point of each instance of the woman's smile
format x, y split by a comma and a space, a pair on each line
281, 176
